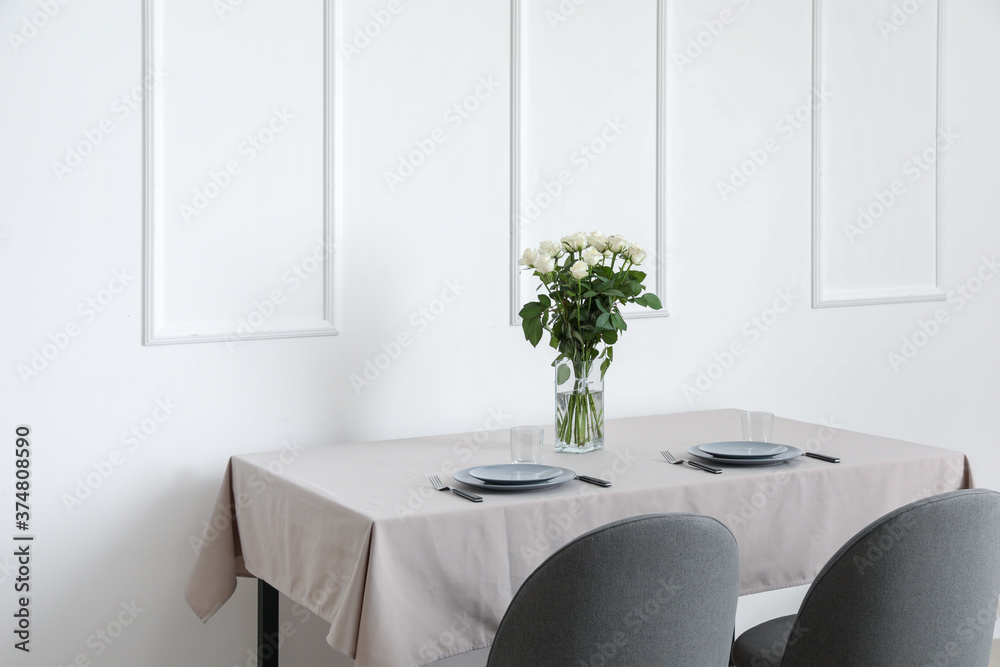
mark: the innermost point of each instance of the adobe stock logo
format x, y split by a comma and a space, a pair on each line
750, 332
379, 362
249, 149
365, 34
455, 116
59, 340
958, 298
556, 185
124, 106
757, 157
30, 26
264, 308
900, 16
913, 169
139, 434
712, 30
562, 13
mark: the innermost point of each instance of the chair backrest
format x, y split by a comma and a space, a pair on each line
917, 587
657, 589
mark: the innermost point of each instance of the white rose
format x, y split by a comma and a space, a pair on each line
598, 240
528, 258
636, 253
574, 242
617, 243
550, 248
545, 264
579, 270
608, 254
592, 255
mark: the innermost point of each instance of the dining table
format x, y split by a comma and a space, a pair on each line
406, 575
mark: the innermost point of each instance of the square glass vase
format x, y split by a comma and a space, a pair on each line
579, 406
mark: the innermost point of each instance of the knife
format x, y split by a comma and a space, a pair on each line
823, 457
465, 494
594, 480
702, 466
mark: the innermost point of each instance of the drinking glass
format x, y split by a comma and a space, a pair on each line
757, 426
526, 444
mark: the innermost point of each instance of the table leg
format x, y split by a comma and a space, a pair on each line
267, 625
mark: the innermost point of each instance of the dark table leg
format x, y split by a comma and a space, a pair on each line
267, 625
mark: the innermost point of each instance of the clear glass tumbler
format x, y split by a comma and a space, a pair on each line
526, 444
757, 426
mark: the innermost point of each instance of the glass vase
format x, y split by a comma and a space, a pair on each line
579, 406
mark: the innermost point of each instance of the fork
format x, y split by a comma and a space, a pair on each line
436, 481
694, 464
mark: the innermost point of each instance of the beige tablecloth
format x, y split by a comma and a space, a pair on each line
406, 575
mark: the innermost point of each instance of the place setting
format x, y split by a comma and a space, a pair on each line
525, 472
756, 448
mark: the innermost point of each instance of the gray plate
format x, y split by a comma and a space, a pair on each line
464, 477
743, 449
515, 473
787, 455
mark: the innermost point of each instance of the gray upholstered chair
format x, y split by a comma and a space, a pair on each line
657, 589
917, 587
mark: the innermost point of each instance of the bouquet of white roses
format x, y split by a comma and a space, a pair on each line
586, 278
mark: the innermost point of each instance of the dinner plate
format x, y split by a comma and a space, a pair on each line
464, 477
787, 455
515, 473
743, 449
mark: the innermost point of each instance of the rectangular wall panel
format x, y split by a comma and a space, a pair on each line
239, 171
877, 148
587, 138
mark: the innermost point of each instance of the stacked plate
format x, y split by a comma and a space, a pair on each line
745, 453
514, 477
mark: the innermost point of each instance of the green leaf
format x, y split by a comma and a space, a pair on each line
604, 367
652, 301
589, 294
609, 338
603, 322
545, 301
637, 275
614, 292
531, 309
601, 306
532, 330
562, 374
618, 321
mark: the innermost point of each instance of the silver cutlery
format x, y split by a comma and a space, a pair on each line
694, 464
594, 480
823, 457
438, 485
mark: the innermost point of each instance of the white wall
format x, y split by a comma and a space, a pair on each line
62, 240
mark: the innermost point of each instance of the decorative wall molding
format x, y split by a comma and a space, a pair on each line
516, 153
156, 329
823, 295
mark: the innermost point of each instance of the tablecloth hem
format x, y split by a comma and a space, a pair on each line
775, 587
453, 653
211, 612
